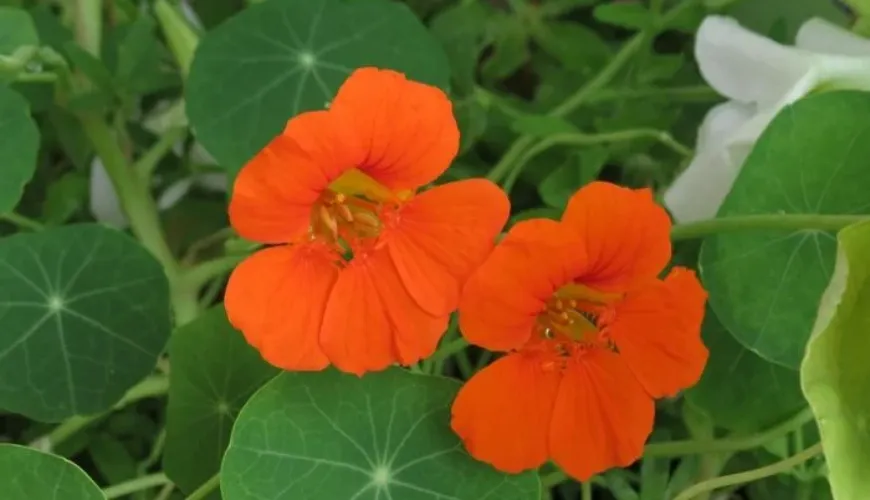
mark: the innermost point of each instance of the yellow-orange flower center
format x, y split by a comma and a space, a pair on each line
350, 209
577, 314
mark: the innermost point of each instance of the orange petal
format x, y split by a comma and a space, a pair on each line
415, 333
601, 418
626, 235
502, 414
658, 333
274, 192
502, 299
357, 335
263, 301
408, 126
438, 238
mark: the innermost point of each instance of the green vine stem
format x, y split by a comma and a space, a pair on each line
205, 488
22, 221
138, 484
750, 475
580, 139
786, 222
153, 386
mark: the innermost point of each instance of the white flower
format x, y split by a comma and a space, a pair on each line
760, 77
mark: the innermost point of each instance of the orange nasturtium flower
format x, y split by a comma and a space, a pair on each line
592, 335
363, 270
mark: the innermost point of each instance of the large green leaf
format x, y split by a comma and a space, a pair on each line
275, 59
835, 374
85, 313
332, 435
18, 147
740, 391
765, 284
214, 372
29, 474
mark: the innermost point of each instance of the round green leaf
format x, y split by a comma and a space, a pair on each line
332, 435
18, 148
85, 314
275, 59
214, 372
765, 284
29, 474
740, 391
16, 30
836, 371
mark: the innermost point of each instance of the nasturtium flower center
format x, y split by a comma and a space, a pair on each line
351, 209
575, 319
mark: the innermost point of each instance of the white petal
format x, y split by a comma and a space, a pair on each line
746, 66
721, 121
105, 206
174, 193
699, 190
819, 35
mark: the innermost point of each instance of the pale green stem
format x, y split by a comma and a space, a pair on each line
148, 162
750, 475
202, 273
580, 139
734, 444
134, 485
88, 27
586, 490
783, 222
153, 386
206, 488
699, 93
46, 77
22, 221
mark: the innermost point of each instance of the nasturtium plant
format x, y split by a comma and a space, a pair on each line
29, 474
381, 436
86, 314
214, 372
833, 372
433, 250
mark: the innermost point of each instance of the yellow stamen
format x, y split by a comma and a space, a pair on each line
576, 292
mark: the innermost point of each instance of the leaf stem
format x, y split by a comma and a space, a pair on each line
134, 485
586, 92
698, 93
786, 222
586, 490
751, 475
580, 139
148, 162
205, 488
88, 25
153, 386
693, 447
22, 221
202, 273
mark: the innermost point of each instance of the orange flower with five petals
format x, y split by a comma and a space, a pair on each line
593, 336
363, 270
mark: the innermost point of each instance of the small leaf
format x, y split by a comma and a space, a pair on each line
18, 147
766, 285
143, 64
461, 30
333, 435
574, 45
276, 59
33, 475
740, 391
510, 49
471, 117
558, 187
85, 314
631, 15
64, 197
214, 372
835, 371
